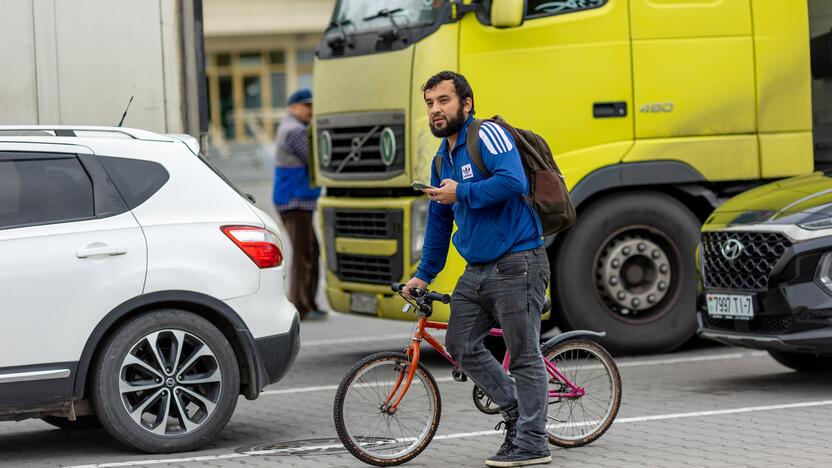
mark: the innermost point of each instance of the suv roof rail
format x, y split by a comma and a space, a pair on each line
80, 131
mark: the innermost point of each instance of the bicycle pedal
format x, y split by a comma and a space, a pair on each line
459, 376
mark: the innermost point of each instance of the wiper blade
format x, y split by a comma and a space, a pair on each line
385, 13
338, 24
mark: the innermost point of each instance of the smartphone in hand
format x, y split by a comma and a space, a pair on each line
421, 186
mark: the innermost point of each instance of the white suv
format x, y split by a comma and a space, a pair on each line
138, 288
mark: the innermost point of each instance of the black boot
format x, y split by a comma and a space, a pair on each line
508, 424
516, 456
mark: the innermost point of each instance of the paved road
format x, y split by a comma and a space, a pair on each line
704, 406
711, 406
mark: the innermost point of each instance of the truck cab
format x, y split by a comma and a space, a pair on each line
655, 110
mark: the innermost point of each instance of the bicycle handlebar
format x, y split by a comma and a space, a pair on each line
417, 292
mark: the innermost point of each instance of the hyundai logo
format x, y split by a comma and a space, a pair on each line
732, 249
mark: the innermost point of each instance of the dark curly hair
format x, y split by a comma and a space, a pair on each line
463, 89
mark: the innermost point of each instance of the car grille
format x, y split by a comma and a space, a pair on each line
346, 130
751, 269
364, 224
764, 324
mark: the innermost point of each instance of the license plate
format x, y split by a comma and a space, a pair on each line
364, 303
731, 306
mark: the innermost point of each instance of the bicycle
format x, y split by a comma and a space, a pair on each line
381, 422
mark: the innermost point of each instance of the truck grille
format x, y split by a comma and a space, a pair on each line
758, 253
371, 224
364, 224
350, 145
366, 269
764, 324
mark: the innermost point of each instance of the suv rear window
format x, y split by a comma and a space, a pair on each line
135, 179
44, 190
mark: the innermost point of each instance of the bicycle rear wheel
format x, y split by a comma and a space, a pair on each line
578, 421
367, 430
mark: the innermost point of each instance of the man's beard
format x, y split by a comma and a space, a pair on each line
452, 126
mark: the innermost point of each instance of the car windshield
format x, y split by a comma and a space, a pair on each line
377, 15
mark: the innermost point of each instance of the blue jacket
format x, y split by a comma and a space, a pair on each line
492, 217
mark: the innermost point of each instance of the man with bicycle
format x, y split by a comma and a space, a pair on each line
507, 272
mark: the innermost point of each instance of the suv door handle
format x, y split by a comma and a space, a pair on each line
100, 249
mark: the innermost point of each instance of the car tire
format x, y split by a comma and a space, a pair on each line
81, 423
193, 371
802, 362
660, 236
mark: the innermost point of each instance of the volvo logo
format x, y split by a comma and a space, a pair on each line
356, 144
732, 249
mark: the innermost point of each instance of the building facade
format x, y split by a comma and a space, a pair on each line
257, 53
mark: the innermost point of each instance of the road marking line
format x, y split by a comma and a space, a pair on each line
637, 419
622, 363
328, 387
363, 339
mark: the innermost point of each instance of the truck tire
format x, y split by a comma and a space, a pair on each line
165, 381
627, 268
802, 362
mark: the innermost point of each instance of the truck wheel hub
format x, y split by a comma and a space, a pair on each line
633, 274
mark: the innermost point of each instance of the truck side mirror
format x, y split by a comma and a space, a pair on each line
507, 13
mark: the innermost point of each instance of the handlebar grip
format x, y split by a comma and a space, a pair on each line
397, 287
443, 298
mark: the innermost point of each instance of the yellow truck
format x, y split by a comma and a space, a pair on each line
656, 111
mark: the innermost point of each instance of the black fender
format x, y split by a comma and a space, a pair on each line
556, 340
210, 308
636, 174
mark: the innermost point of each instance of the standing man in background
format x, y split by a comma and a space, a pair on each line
295, 201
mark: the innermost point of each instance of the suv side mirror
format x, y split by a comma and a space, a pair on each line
507, 13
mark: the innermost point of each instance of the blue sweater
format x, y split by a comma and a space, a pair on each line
492, 217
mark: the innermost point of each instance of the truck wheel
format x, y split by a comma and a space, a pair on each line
627, 268
802, 362
166, 381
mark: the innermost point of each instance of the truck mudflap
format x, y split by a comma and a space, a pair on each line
556, 340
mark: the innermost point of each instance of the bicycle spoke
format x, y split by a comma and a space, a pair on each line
369, 428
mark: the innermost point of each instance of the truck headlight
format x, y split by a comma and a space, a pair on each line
823, 223
823, 273
418, 223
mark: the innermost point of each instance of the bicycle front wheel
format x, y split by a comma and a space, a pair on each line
362, 421
575, 421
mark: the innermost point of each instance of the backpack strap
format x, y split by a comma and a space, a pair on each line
437, 166
472, 143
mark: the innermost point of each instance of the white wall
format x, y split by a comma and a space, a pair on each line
18, 98
78, 62
251, 17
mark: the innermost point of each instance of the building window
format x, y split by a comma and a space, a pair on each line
278, 82
248, 88
226, 107
250, 59
306, 56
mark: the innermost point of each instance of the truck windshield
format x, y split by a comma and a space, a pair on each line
375, 15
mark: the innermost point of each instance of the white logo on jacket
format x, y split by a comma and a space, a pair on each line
467, 172
495, 138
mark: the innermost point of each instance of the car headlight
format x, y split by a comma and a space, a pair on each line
823, 223
418, 223
823, 273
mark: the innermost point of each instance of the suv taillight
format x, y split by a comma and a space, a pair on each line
261, 245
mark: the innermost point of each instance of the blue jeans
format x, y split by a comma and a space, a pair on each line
507, 293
